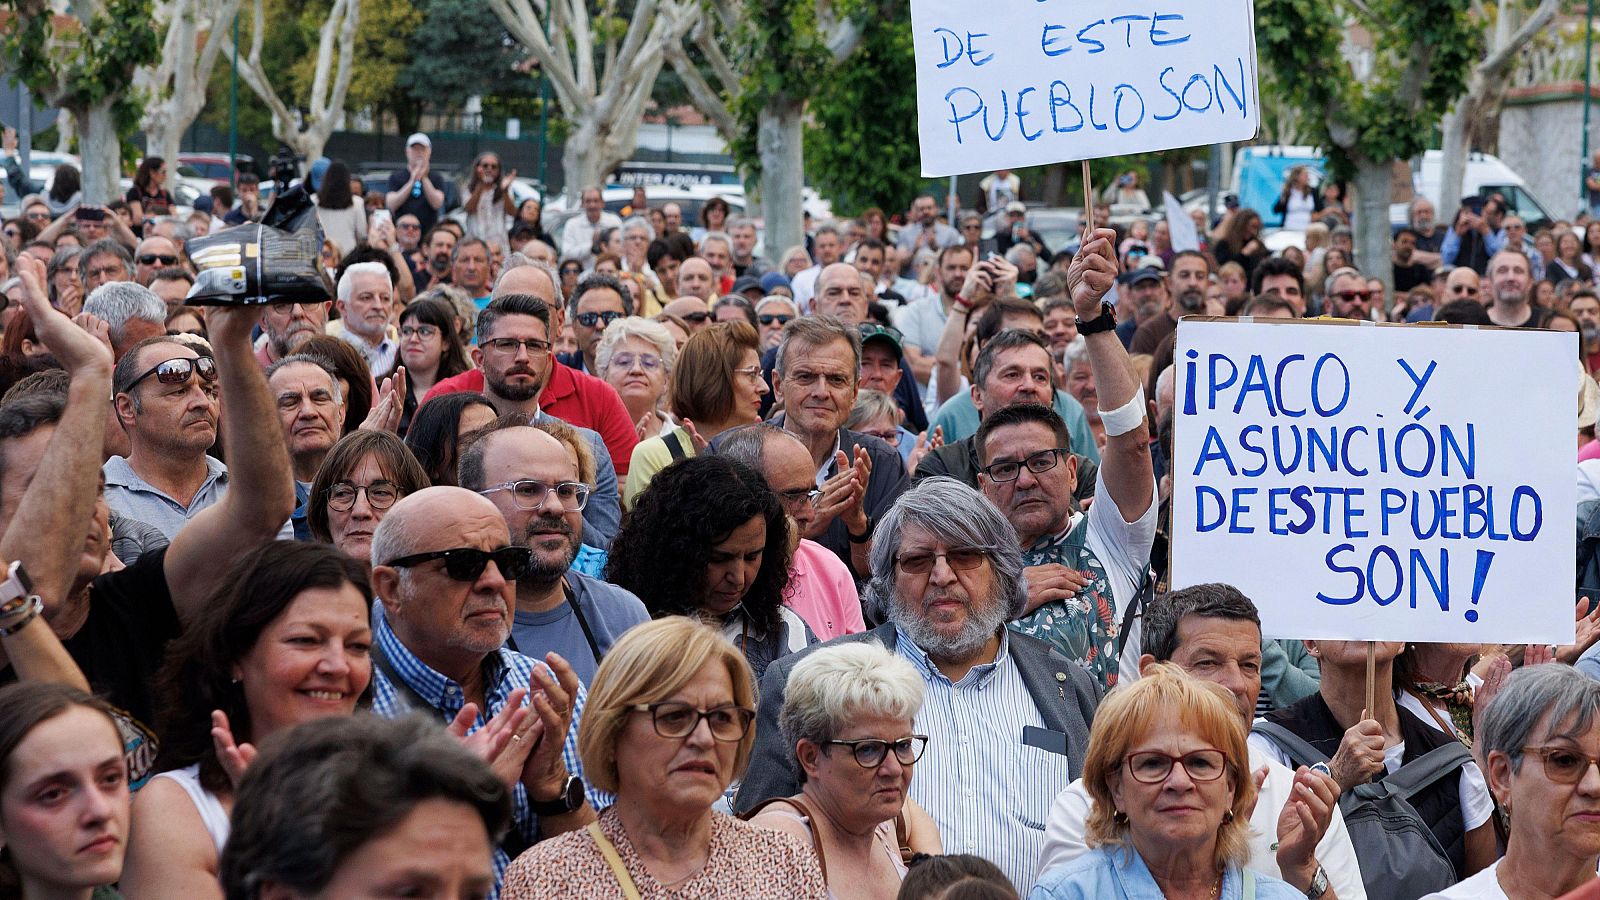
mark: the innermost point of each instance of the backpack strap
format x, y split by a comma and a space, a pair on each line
674, 446
1302, 753
1419, 774
1147, 589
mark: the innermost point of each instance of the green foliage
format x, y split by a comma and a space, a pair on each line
1425, 48
458, 51
382, 52
861, 149
79, 68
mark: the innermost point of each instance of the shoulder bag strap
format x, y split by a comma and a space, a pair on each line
902, 835
1417, 775
577, 612
1135, 609
674, 446
1301, 752
609, 851
811, 825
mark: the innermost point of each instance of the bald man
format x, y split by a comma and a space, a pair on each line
443, 575
692, 310
841, 293
696, 279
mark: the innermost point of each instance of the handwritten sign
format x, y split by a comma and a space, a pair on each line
1398, 483
1028, 82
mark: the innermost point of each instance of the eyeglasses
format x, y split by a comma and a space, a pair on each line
13, 233
572, 272
695, 317
530, 494
108, 271
150, 259
800, 496
488, 165
892, 438
671, 719
1037, 463
1467, 289
38, 217
589, 319
468, 563
871, 752
380, 494
1562, 765
509, 346
625, 361
1348, 296
409, 226
961, 558
426, 332
751, 372
1153, 768
774, 318
178, 370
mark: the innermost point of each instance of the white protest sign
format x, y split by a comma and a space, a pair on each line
1182, 234
1028, 82
1397, 483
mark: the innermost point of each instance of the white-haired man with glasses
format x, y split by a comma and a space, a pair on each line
536, 483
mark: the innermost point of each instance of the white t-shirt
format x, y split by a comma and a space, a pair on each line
1064, 841
1300, 208
1483, 886
1476, 804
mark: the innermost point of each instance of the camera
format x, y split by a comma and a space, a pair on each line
284, 166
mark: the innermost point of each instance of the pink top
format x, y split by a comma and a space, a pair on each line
822, 592
1590, 450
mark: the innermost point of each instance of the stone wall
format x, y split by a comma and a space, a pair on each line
1541, 138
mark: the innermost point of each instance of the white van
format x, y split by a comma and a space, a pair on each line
1485, 175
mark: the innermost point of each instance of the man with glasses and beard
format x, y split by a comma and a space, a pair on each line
536, 484
285, 327
1006, 716
444, 579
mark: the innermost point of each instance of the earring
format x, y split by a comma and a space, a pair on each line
1119, 818
1227, 817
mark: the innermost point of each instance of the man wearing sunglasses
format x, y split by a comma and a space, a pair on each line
1006, 716
151, 256
1348, 297
597, 301
1213, 632
444, 583
115, 621
534, 481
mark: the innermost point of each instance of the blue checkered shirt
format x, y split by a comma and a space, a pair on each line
507, 671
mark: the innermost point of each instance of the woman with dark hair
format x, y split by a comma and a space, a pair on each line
365, 807
875, 226
1241, 242
364, 474
440, 428
285, 640
355, 379
430, 350
489, 201
343, 220
63, 793
148, 197
708, 539
66, 190
713, 217
1568, 263
528, 213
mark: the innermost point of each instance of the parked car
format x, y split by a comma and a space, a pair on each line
215, 166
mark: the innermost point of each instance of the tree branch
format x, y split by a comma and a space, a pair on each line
1502, 56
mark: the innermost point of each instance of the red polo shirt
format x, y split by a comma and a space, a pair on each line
573, 397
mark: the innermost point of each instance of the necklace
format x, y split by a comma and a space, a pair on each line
1216, 891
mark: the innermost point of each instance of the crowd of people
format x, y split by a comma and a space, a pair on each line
628, 563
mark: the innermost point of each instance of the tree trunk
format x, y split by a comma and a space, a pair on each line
101, 153
782, 175
1453, 170
581, 163
1372, 241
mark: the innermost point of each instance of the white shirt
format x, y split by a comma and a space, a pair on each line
804, 286
1483, 886
1473, 792
577, 238
922, 322
1299, 210
1064, 832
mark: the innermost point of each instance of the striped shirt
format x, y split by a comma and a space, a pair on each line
988, 792
507, 670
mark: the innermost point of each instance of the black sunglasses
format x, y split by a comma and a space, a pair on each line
589, 319
770, 318
696, 317
177, 371
468, 563
150, 259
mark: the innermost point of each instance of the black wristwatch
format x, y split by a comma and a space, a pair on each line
864, 537
570, 800
1106, 321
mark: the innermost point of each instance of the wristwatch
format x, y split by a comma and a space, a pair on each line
17, 584
569, 800
1106, 321
1319, 884
864, 536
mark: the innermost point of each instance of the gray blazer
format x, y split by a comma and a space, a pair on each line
1064, 692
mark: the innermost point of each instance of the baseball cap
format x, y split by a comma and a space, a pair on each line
1143, 273
773, 280
883, 334
1016, 206
419, 138
747, 283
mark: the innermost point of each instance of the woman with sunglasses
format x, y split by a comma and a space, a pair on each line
1172, 793
1539, 738
365, 474
430, 350
635, 357
667, 727
286, 640
489, 201
849, 713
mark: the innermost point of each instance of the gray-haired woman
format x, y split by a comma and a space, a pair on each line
1539, 742
635, 357
848, 713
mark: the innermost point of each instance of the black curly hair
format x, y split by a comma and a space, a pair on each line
664, 547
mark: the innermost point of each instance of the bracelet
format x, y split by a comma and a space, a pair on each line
1126, 417
33, 612
13, 605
